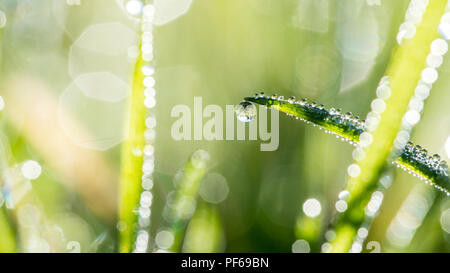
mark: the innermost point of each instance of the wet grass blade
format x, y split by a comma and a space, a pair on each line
347, 127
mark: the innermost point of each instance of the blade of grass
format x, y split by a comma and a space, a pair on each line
7, 234
180, 210
349, 128
204, 233
404, 73
131, 166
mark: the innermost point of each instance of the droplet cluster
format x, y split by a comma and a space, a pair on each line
146, 10
428, 76
413, 17
351, 129
414, 159
345, 126
429, 168
444, 26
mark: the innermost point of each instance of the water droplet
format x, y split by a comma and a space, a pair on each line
2, 103
134, 7
2, 19
245, 111
429, 75
343, 194
439, 47
353, 170
31, 169
341, 206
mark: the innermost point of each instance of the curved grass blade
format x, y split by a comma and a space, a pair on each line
347, 127
179, 211
131, 169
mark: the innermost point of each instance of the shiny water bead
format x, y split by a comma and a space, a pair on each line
420, 4
439, 47
444, 30
134, 7
341, 206
445, 19
436, 157
245, 111
383, 92
148, 70
2, 103
384, 80
409, 145
443, 167
423, 155
416, 104
354, 170
413, 15
444, 27
422, 91
31, 169
148, 12
365, 139
343, 194
378, 105
408, 29
429, 75
3, 19
412, 117
434, 61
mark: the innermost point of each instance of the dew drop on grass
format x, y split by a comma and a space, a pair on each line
31, 169
134, 7
2, 19
301, 246
2, 103
245, 111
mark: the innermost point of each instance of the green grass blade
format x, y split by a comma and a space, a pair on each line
404, 73
204, 233
131, 166
7, 235
179, 211
348, 128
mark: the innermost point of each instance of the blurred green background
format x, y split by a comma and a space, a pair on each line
66, 69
